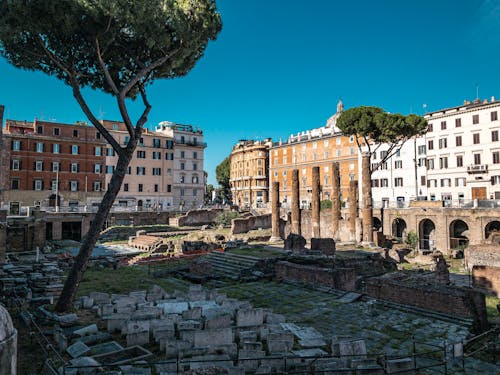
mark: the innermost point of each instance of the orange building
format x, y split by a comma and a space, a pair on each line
317, 147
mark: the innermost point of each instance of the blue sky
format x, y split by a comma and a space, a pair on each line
280, 66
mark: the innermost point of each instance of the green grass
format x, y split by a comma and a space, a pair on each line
491, 307
124, 280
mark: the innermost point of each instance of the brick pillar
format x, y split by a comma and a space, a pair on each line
367, 213
315, 203
275, 211
353, 208
295, 202
335, 199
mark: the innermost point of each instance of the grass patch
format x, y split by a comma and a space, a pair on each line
491, 307
124, 280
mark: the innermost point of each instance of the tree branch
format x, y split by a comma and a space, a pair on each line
104, 69
144, 117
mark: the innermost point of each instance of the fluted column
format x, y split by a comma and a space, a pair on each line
335, 199
315, 203
295, 202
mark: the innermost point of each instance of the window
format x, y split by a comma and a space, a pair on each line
141, 141
431, 145
169, 144
458, 122
56, 131
156, 155
75, 133
74, 150
384, 182
460, 182
183, 154
39, 129
156, 188
156, 171
39, 166
195, 192
460, 161
458, 140
383, 154
375, 183
430, 164
97, 168
421, 150
14, 184
195, 166
98, 135
97, 185
315, 144
38, 185
422, 180
339, 153
56, 166
429, 128
56, 148
398, 164
39, 147
125, 187
326, 154
182, 166
73, 185
182, 192
75, 167
169, 188
156, 143
129, 170
169, 156
110, 169
140, 188
443, 143
141, 171
494, 136
169, 172
495, 180
141, 154
383, 165
110, 151
496, 157
182, 178
443, 163
351, 150
443, 125
475, 119
16, 145
125, 141
15, 165
494, 116
194, 179
475, 138
398, 181
445, 182
477, 159
97, 151
183, 139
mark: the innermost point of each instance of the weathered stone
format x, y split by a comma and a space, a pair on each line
194, 313
295, 202
335, 199
106, 347
271, 318
85, 365
295, 242
188, 325
77, 349
100, 298
249, 317
88, 330
325, 245
115, 322
353, 208
315, 203
275, 211
213, 337
173, 307
221, 321
398, 366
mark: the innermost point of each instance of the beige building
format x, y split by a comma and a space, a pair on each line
149, 181
249, 167
188, 186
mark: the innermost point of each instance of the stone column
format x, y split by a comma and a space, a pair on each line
275, 211
8, 344
367, 214
315, 203
335, 199
295, 202
353, 207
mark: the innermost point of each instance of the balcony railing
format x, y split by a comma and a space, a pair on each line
477, 168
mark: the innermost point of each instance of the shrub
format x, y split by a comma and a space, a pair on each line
412, 239
325, 204
224, 218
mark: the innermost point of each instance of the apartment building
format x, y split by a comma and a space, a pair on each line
188, 187
52, 164
249, 173
150, 177
317, 147
463, 152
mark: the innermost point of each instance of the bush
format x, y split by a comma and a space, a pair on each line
325, 204
412, 239
224, 218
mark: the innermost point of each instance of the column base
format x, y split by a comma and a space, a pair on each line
275, 239
368, 244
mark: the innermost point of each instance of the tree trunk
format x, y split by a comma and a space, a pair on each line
75, 276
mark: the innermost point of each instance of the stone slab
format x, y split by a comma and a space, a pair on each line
213, 337
349, 297
77, 349
249, 317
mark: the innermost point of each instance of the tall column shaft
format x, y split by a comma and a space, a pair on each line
295, 202
315, 203
335, 199
275, 211
353, 207
367, 214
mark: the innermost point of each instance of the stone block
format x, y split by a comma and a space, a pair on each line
106, 347
187, 336
155, 293
295, 242
95, 338
125, 301
88, 330
349, 348
87, 302
249, 317
146, 313
193, 313
279, 346
185, 325
325, 245
106, 309
271, 318
251, 345
86, 365
77, 349
61, 340
213, 337
247, 335
399, 366
173, 307
221, 321
161, 334
230, 349
205, 306
100, 298
140, 338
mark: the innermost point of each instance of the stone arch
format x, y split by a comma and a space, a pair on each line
427, 234
377, 224
492, 226
399, 228
459, 230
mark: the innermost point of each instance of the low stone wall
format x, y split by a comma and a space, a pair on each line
338, 278
462, 302
243, 225
482, 255
139, 218
487, 277
197, 217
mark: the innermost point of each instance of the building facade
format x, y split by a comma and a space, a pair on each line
188, 187
150, 177
317, 147
249, 173
53, 164
463, 152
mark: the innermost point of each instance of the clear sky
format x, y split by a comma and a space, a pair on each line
280, 66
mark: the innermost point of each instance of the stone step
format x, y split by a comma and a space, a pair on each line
241, 256
229, 264
226, 269
232, 258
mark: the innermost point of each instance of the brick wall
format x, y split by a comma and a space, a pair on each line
338, 278
487, 277
243, 225
197, 217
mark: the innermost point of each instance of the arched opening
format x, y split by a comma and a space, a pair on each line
492, 226
140, 203
427, 232
54, 200
458, 234
399, 228
377, 224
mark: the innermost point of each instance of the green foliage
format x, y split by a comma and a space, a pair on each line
130, 36
325, 204
225, 217
222, 174
208, 193
412, 239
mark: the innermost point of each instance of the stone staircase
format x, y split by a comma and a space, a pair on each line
231, 266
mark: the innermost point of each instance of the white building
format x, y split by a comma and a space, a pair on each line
402, 177
463, 152
188, 186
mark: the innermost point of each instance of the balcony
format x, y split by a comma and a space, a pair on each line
477, 168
